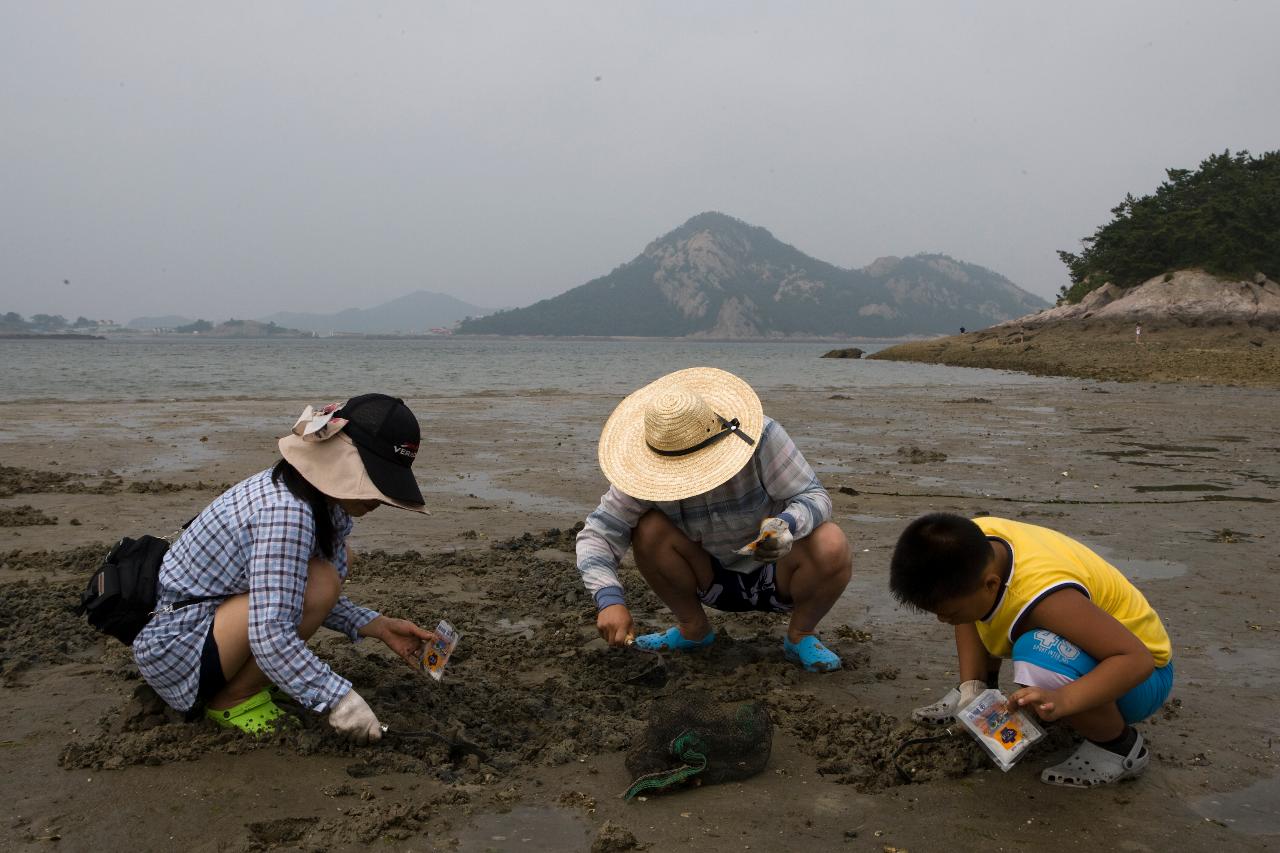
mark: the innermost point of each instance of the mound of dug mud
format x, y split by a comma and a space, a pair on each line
82, 561
18, 481
15, 481
24, 516
38, 627
530, 684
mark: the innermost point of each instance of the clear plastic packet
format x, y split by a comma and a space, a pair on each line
1005, 736
436, 654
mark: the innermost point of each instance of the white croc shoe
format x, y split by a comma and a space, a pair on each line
941, 712
945, 709
1092, 765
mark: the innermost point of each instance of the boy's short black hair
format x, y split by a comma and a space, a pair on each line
938, 557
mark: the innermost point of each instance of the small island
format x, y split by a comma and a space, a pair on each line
1181, 286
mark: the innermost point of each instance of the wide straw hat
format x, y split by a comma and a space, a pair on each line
681, 435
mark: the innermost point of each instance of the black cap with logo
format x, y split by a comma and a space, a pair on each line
386, 435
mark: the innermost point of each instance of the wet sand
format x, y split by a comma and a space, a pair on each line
1177, 485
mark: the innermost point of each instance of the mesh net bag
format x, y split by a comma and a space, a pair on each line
692, 739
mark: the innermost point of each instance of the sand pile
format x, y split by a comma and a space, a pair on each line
529, 686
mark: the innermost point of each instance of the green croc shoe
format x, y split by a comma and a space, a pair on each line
257, 715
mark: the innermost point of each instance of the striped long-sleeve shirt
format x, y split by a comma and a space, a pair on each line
776, 482
257, 537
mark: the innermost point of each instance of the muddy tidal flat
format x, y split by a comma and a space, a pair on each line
1178, 485
1167, 351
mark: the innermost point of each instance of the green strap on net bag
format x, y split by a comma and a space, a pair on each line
689, 748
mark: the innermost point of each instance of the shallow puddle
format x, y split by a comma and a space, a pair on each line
975, 460
1182, 487
1148, 570
871, 519
480, 486
526, 828
1247, 666
1238, 499
516, 627
1142, 570
1254, 810
1172, 448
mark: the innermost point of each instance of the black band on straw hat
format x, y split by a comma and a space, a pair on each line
726, 428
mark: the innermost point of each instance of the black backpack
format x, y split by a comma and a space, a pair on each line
121, 595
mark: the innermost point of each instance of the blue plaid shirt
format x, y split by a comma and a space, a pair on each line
257, 537
776, 482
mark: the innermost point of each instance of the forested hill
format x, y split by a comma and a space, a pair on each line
1223, 218
719, 277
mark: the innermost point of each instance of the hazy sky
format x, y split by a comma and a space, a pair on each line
234, 159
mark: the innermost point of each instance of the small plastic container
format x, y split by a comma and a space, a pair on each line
1005, 736
436, 654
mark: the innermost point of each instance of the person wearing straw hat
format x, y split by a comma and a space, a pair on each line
257, 572
720, 509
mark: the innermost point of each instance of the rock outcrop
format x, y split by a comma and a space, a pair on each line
1187, 297
1195, 328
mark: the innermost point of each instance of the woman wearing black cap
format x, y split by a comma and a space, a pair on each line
261, 569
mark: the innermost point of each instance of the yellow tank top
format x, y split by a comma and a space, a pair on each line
1045, 561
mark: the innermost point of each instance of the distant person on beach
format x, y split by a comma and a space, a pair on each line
720, 510
262, 567
1087, 648
1137, 333
962, 330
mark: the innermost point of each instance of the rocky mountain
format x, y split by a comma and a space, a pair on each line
719, 277
414, 313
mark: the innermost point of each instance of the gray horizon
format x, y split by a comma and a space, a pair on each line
244, 159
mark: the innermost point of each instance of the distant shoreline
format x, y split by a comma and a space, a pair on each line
1239, 354
39, 336
695, 339
152, 337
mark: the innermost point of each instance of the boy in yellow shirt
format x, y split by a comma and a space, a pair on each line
1086, 646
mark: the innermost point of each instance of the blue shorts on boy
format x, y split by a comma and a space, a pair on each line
1043, 659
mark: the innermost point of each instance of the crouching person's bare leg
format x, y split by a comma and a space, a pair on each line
675, 567
813, 576
231, 633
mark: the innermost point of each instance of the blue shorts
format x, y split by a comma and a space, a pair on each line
737, 592
1043, 659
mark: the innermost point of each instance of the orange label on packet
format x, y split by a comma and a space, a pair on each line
1010, 734
436, 654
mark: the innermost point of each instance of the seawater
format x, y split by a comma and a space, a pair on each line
324, 368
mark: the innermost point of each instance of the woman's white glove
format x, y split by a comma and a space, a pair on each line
353, 718
774, 541
945, 709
